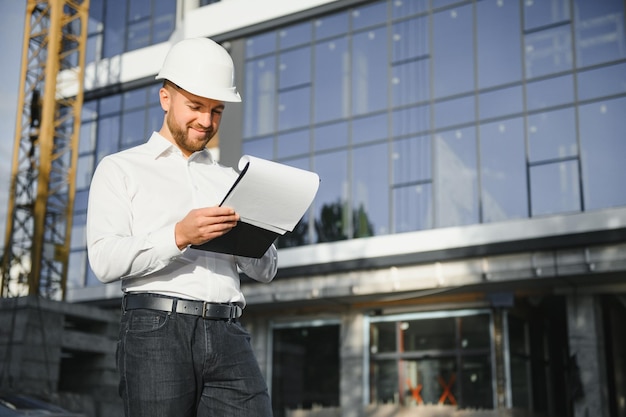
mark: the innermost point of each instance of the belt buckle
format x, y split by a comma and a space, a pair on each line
204, 309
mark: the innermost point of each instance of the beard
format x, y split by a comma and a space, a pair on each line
181, 136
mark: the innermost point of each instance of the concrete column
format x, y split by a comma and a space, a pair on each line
351, 351
587, 387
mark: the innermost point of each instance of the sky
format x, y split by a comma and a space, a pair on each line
12, 15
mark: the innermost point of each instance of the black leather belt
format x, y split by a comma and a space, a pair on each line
178, 305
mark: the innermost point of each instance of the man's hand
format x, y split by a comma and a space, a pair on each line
204, 224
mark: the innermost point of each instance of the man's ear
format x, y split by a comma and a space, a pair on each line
165, 97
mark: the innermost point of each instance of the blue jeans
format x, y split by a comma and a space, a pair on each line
180, 365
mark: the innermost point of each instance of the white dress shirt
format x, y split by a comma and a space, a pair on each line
136, 198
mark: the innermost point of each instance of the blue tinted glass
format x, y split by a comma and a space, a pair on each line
76, 269
401, 8
294, 108
412, 208
412, 160
261, 44
330, 136
538, 13
333, 25
602, 127
81, 200
454, 112
548, 51
370, 128
499, 47
163, 21
259, 103
370, 188
84, 171
138, 35
501, 102
108, 136
155, 119
295, 67
96, 17
503, 171
602, 82
443, 3
369, 15
293, 143
133, 123
331, 200
139, 9
549, 93
89, 110
87, 137
369, 71
410, 82
114, 29
554, 188
331, 80
261, 148
411, 120
456, 178
295, 35
78, 240
135, 98
552, 135
453, 54
410, 39
110, 104
600, 32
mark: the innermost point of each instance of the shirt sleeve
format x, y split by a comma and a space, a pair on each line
113, 250
261, 269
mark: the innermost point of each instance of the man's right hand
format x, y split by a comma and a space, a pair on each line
204, 224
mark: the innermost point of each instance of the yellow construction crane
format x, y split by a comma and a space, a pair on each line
45, 154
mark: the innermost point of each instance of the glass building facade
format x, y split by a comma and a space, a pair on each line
417, 115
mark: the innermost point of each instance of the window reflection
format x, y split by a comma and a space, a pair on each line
548, 51
554, 188
600, 31
541, 13
370, 190
552, 135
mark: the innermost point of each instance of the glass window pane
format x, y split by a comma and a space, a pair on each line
84, 171
260, 103
453, 33
261, 44
384, 382
295, 67
410, 82
456, 178
412, 160
293, 108
602, 82
554, 188
87, 141
305, 373
410, 39
155, 120
108, 136
476, 383
407, 8
138, 35
454, 112
293, 143
503, 102
332, 80
602, 127
549, 93
552, 135
164, 20
538, 13
369, 70
434, 376
261, 148
412, 208
110, 104
475, 332
76, 269
548, 51
134, 98
411, 120
369, 15
139, 9
330, 136
295, 35
366, 129
600, 31
330, 204
133, 123
503, 171
383, 337
429, 334
370, 188
79, 238
114, 28
498, 33
333, 25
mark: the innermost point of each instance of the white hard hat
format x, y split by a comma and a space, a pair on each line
202, 67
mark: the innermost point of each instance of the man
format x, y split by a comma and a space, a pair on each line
181, 351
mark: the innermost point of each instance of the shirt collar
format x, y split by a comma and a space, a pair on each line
158, 147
